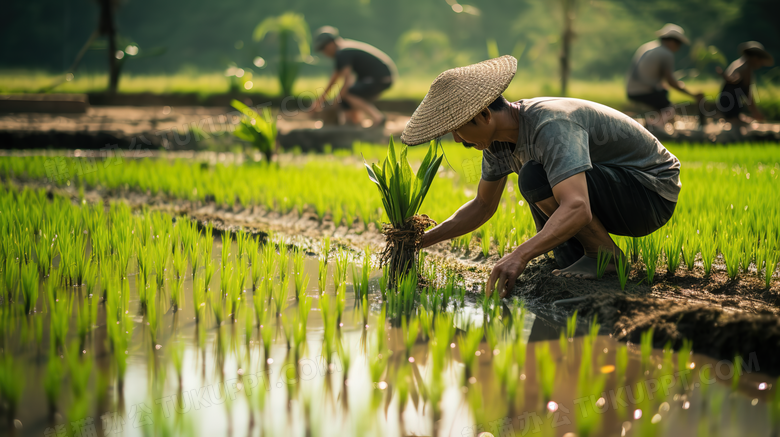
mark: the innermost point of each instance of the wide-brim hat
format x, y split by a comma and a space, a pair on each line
673, 31
755, 48
324, 35
457, 96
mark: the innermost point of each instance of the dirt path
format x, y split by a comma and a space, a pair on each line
723, 318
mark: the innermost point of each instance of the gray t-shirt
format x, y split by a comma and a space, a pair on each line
569, 136
648, 68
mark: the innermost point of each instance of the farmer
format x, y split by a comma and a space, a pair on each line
738, 78
653, 63
375, 73
585, 170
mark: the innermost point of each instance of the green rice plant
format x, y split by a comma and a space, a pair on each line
325, 248
30, 286
691, 247
623, 270
771, 259
162, 252
299, 276
80, 260
410, 331
651, 252
208, 273
269, 260
80, 370
634, 249
257, 129
673, 247
152, 315
646, 347
731, 249
708, 253
621, 362
217, 308
11, 274
360, 278
684, 356
242, 243
44, 249
176, 354
545, 368
254, 261
737, 373
402, 193
603, 258
179, 261
383, 282
322, 274
194, 255
259, 300
227, 245
52, 382
177, 294
11, 384
280, 295
341, 300
484, 241
283, 261
60, 306
589, 383
86, 317
571, 325
468, 346
342, 260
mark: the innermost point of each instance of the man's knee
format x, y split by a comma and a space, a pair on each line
533, 183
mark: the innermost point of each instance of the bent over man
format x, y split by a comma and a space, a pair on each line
586, 170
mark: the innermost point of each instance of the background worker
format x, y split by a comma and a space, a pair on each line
653, 63
738, 78
365, 70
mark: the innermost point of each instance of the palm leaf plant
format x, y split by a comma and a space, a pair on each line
287, 27
402, 193
258, 129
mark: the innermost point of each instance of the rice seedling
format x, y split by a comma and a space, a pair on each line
646, 347
152, 315
300, 277
603, 258
545, 368
52, 382
651, 251
322, 274
708, 253
690, 248
30, 286
176, 353
402, 194
280, 296
208, 273
684, 356
737, 373
468, 346
623, 268
732, 253
242, 243
341, 300
44, 252
283, 260
86, 317
60, 305
771, 259
179, 261
11, 385
177, 294
80, 370
410, 331
217, 308
225, 254
360, 278
621, 362
484, 240
342, 260
383, 283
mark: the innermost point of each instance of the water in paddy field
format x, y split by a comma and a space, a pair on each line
228, 386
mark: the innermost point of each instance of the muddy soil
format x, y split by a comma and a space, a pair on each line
723, 318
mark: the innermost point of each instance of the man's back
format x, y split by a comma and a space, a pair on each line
648, 68
364, 59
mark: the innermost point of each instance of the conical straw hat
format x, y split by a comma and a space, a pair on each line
457, 96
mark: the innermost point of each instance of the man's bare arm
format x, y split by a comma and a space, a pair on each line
470, 216
333, 79
678, 84
572, 215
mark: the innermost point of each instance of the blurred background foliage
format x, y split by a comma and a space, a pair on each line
423, 36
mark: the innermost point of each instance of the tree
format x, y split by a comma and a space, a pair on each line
568, 8
288, 26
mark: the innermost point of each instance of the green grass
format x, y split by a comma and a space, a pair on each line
608, 92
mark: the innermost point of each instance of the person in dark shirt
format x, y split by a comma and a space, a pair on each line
738, 78
365, 70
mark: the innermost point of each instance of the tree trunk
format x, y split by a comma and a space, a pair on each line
107, 29
568, 7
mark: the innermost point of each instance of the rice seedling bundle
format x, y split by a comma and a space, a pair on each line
402, 193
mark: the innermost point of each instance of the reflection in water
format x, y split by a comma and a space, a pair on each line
257, 372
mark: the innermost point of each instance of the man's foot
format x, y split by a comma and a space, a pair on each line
585, 268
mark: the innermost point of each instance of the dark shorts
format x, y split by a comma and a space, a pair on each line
657, 100
622, 204
731, 100
367, 89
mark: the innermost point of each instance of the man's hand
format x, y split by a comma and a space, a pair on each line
506, 272
317, 105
